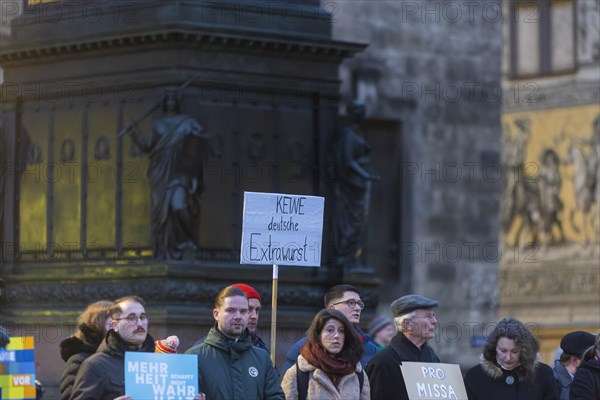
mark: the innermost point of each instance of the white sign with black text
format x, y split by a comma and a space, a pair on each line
282, 229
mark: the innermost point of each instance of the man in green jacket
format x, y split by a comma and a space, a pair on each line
229, 366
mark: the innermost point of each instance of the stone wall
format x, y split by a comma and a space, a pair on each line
435, 66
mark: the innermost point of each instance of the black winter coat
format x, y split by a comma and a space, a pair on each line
385, 376
73, 351
586, 384
101, 376
487, 381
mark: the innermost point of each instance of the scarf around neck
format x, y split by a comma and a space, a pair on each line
335, 368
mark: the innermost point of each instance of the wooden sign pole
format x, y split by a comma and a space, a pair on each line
274, 312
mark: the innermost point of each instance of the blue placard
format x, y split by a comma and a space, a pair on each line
157, 376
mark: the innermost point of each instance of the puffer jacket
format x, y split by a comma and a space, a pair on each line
231, 369
101, 376
74, 352
320, 386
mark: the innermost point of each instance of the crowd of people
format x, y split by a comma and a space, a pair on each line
335, 360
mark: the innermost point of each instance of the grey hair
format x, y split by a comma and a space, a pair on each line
398, 320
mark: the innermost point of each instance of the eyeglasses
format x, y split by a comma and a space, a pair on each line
133, 318
351, 303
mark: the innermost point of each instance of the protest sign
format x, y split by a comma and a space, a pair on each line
17, 369
155, 376
427, 381
282, 229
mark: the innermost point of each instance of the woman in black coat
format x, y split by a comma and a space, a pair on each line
509, 367
586, 384
92, 326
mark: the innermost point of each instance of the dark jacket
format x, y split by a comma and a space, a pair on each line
101, 376
487, 381
370, 350
384, 371
563, 379
255, 339
586, 384
235, 370
73, 351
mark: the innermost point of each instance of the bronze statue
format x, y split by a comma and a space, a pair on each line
176, 146
352, 188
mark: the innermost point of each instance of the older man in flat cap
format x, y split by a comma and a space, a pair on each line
573, 345
415, 321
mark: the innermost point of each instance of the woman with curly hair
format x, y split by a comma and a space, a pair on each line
329, 361
92, 326
509, 368
586, 384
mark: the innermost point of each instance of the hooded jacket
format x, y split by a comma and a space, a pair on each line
73, 351
232, 369
101, 376
320, 386
586, 384
488, 381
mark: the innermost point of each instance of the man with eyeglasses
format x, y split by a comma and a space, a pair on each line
415, 321
346, 299
101, 376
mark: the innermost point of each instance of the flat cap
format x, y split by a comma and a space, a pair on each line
576, 343
409, 303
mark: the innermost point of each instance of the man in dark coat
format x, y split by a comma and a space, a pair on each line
254, 304
415, 320
101, 376
229, 366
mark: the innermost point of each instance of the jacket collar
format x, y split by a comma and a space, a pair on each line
218, 339
494, 371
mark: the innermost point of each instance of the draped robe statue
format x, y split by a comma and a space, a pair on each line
175, 146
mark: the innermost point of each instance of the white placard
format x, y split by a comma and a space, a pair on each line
282, 229
432, 381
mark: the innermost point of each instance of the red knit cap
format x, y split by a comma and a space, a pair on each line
251, 293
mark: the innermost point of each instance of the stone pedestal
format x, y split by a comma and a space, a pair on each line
76, 222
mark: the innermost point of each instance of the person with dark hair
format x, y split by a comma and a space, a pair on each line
101, 376
415, 321
229, 366
330, 362
573, 344
509, 368
346, 299
254, 306
586, 384
352, 187
92, 325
